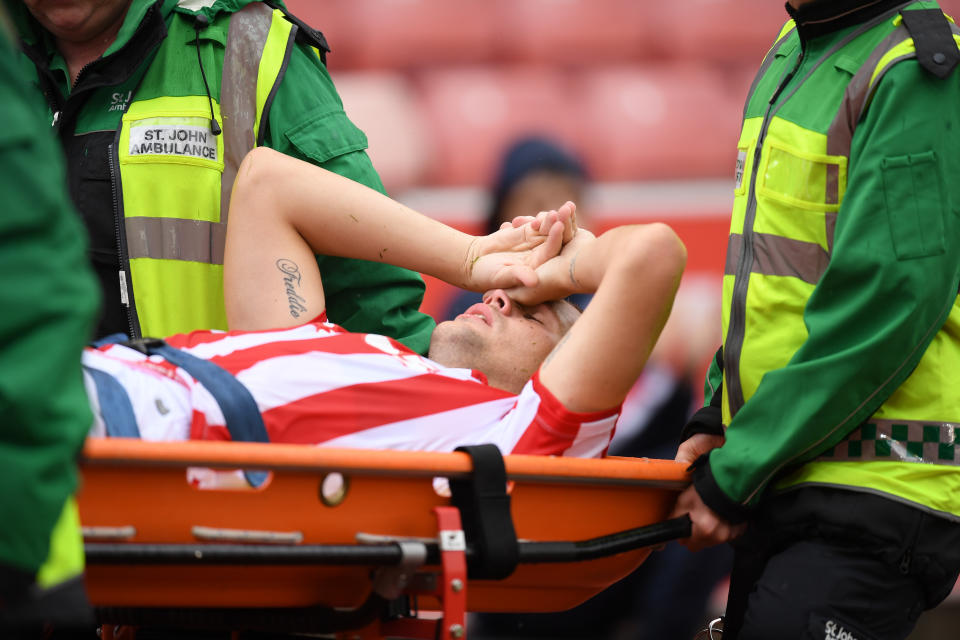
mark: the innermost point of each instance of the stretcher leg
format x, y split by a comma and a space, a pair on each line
450, 590
453, 585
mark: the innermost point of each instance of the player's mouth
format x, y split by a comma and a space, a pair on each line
479, 311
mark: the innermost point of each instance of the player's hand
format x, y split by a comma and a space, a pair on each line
709, 528
510, 256
556, 278
697, 445
537, 221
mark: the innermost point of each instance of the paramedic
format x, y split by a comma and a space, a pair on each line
155, 107
48, 299
841, 332
370, 392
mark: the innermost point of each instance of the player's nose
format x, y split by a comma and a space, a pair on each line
498, 299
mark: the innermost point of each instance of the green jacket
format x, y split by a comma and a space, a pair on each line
885, 289
303, 118
48, 299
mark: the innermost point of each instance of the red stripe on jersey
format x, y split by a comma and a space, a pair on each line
537, 441
339, 344
194, 338
158, 365
554, 429
201, 430
183, 340
346, 410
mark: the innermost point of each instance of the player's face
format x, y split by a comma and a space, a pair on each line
505, 340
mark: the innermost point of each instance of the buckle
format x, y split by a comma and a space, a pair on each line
146, 346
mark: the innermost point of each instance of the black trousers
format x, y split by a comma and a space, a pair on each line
834, 564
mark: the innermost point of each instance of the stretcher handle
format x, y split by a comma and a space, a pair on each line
604, 546
375, 555
105, 553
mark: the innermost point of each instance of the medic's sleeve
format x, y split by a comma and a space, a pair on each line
48, 299
891, 281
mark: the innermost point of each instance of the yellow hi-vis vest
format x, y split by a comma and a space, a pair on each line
177, 176
788, 195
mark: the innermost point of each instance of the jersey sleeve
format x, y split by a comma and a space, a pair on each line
555, 430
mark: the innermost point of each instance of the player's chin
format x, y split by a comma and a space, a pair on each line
455, 343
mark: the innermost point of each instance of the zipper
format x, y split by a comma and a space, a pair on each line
125, 281
738, 308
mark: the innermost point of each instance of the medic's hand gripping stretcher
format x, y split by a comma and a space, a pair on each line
357, 543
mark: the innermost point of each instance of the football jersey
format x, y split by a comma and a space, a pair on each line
320, 384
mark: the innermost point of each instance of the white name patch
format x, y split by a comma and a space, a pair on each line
173, 140
741, 165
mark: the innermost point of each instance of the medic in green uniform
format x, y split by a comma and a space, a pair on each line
154, 129
48, 300
839, 377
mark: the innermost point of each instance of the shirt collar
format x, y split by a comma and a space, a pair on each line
821, 17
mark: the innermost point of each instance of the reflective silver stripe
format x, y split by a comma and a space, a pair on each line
779, 256
900, 441
176, 239
840, 132
830, 227
246, 39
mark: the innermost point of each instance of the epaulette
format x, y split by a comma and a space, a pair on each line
933, 38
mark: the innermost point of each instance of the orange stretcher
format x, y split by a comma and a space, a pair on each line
353, 543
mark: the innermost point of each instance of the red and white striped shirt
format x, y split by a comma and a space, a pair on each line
320, 384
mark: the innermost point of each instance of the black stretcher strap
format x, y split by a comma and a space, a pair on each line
484, 506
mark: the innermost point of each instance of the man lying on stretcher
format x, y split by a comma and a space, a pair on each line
316, 383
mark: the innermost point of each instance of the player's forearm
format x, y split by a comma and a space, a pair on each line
635, 271
340, 217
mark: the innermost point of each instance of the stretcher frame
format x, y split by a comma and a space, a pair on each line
383, 556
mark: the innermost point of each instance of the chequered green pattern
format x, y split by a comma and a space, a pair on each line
901, 441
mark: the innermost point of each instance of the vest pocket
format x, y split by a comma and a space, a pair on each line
914, 204
811, 181
324, 136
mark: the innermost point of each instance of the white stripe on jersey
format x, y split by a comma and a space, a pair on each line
592, 439
501, 422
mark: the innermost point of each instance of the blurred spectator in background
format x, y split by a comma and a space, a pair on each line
536, 174
48, 299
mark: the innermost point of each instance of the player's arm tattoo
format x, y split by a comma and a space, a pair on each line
291, 284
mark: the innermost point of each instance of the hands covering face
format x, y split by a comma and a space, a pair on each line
531, 256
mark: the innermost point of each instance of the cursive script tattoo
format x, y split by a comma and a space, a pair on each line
291, 282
